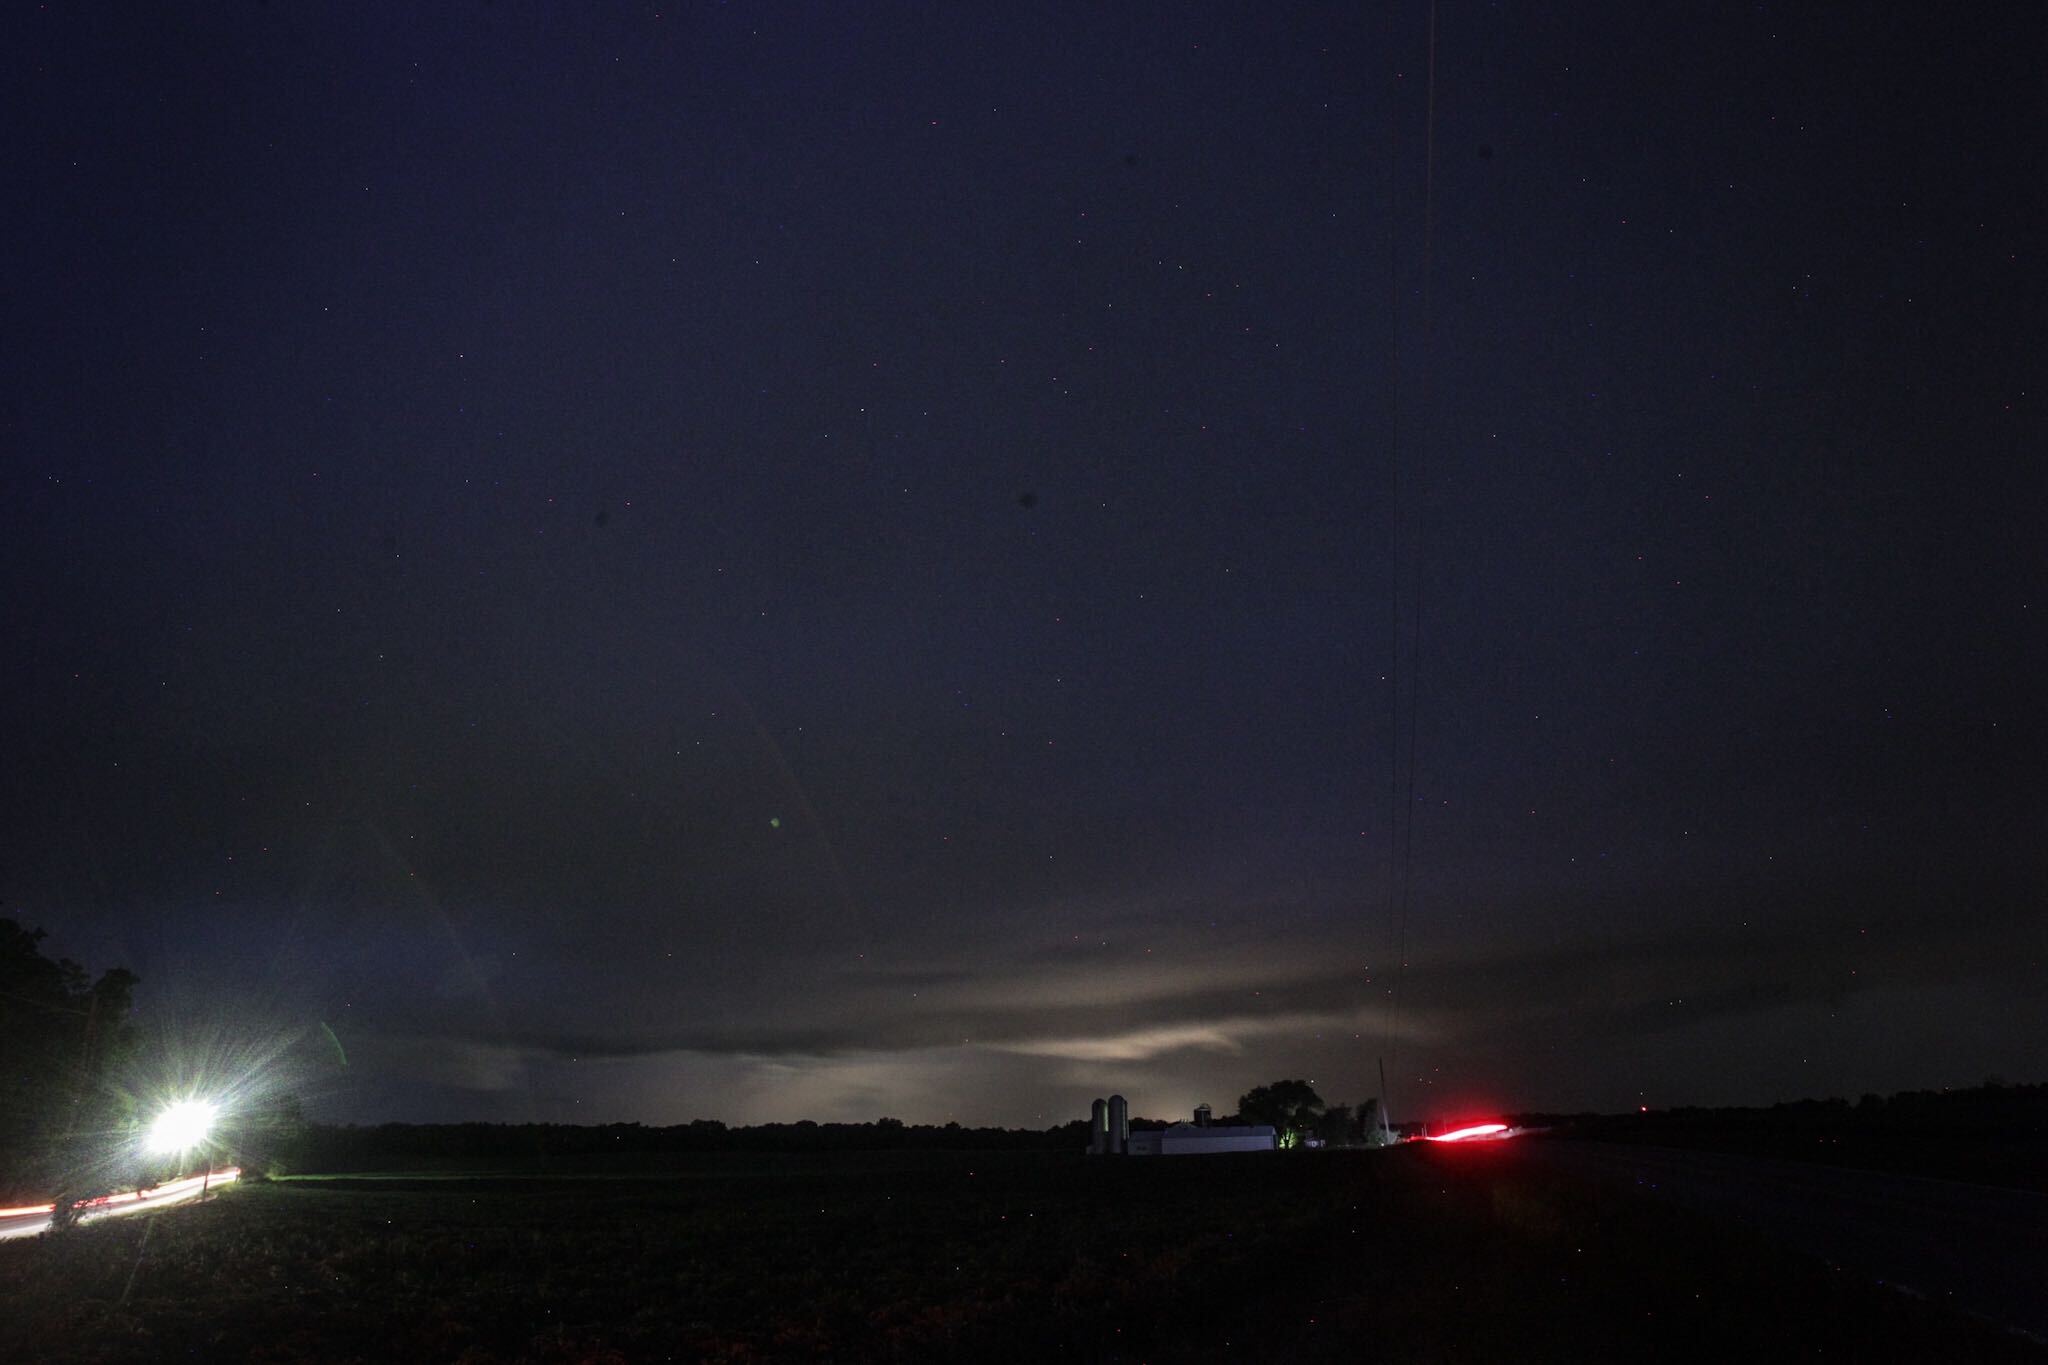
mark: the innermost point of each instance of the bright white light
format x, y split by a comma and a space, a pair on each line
181, 1127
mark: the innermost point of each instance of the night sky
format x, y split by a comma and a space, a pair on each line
827, 560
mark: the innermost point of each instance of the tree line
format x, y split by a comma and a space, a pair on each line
65, 1038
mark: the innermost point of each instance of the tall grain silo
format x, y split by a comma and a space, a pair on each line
1098, 1128
1119, 1124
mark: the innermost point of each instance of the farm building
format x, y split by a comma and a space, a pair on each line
1188, 1139
1109, 1134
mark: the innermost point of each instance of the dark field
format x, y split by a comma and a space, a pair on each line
1415, 1254
1993, 1134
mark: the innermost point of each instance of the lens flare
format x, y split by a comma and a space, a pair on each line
181, 1127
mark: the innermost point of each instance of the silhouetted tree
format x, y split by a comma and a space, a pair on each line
265, 1139
62, 1035
1292, 1107
1372, 1125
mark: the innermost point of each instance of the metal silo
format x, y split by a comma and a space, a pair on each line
1119, 1124
1098, 1128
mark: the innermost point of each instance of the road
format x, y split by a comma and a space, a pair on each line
1980, 1249
28, 1220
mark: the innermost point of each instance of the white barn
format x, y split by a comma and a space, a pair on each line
1187, 1139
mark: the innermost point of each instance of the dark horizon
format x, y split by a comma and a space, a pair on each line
662, 564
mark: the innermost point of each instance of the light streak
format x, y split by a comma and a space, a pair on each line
126, 1201
1477, 1130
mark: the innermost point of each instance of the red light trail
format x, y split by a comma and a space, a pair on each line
1477, 1130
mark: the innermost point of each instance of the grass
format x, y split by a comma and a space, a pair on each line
1441, 1254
